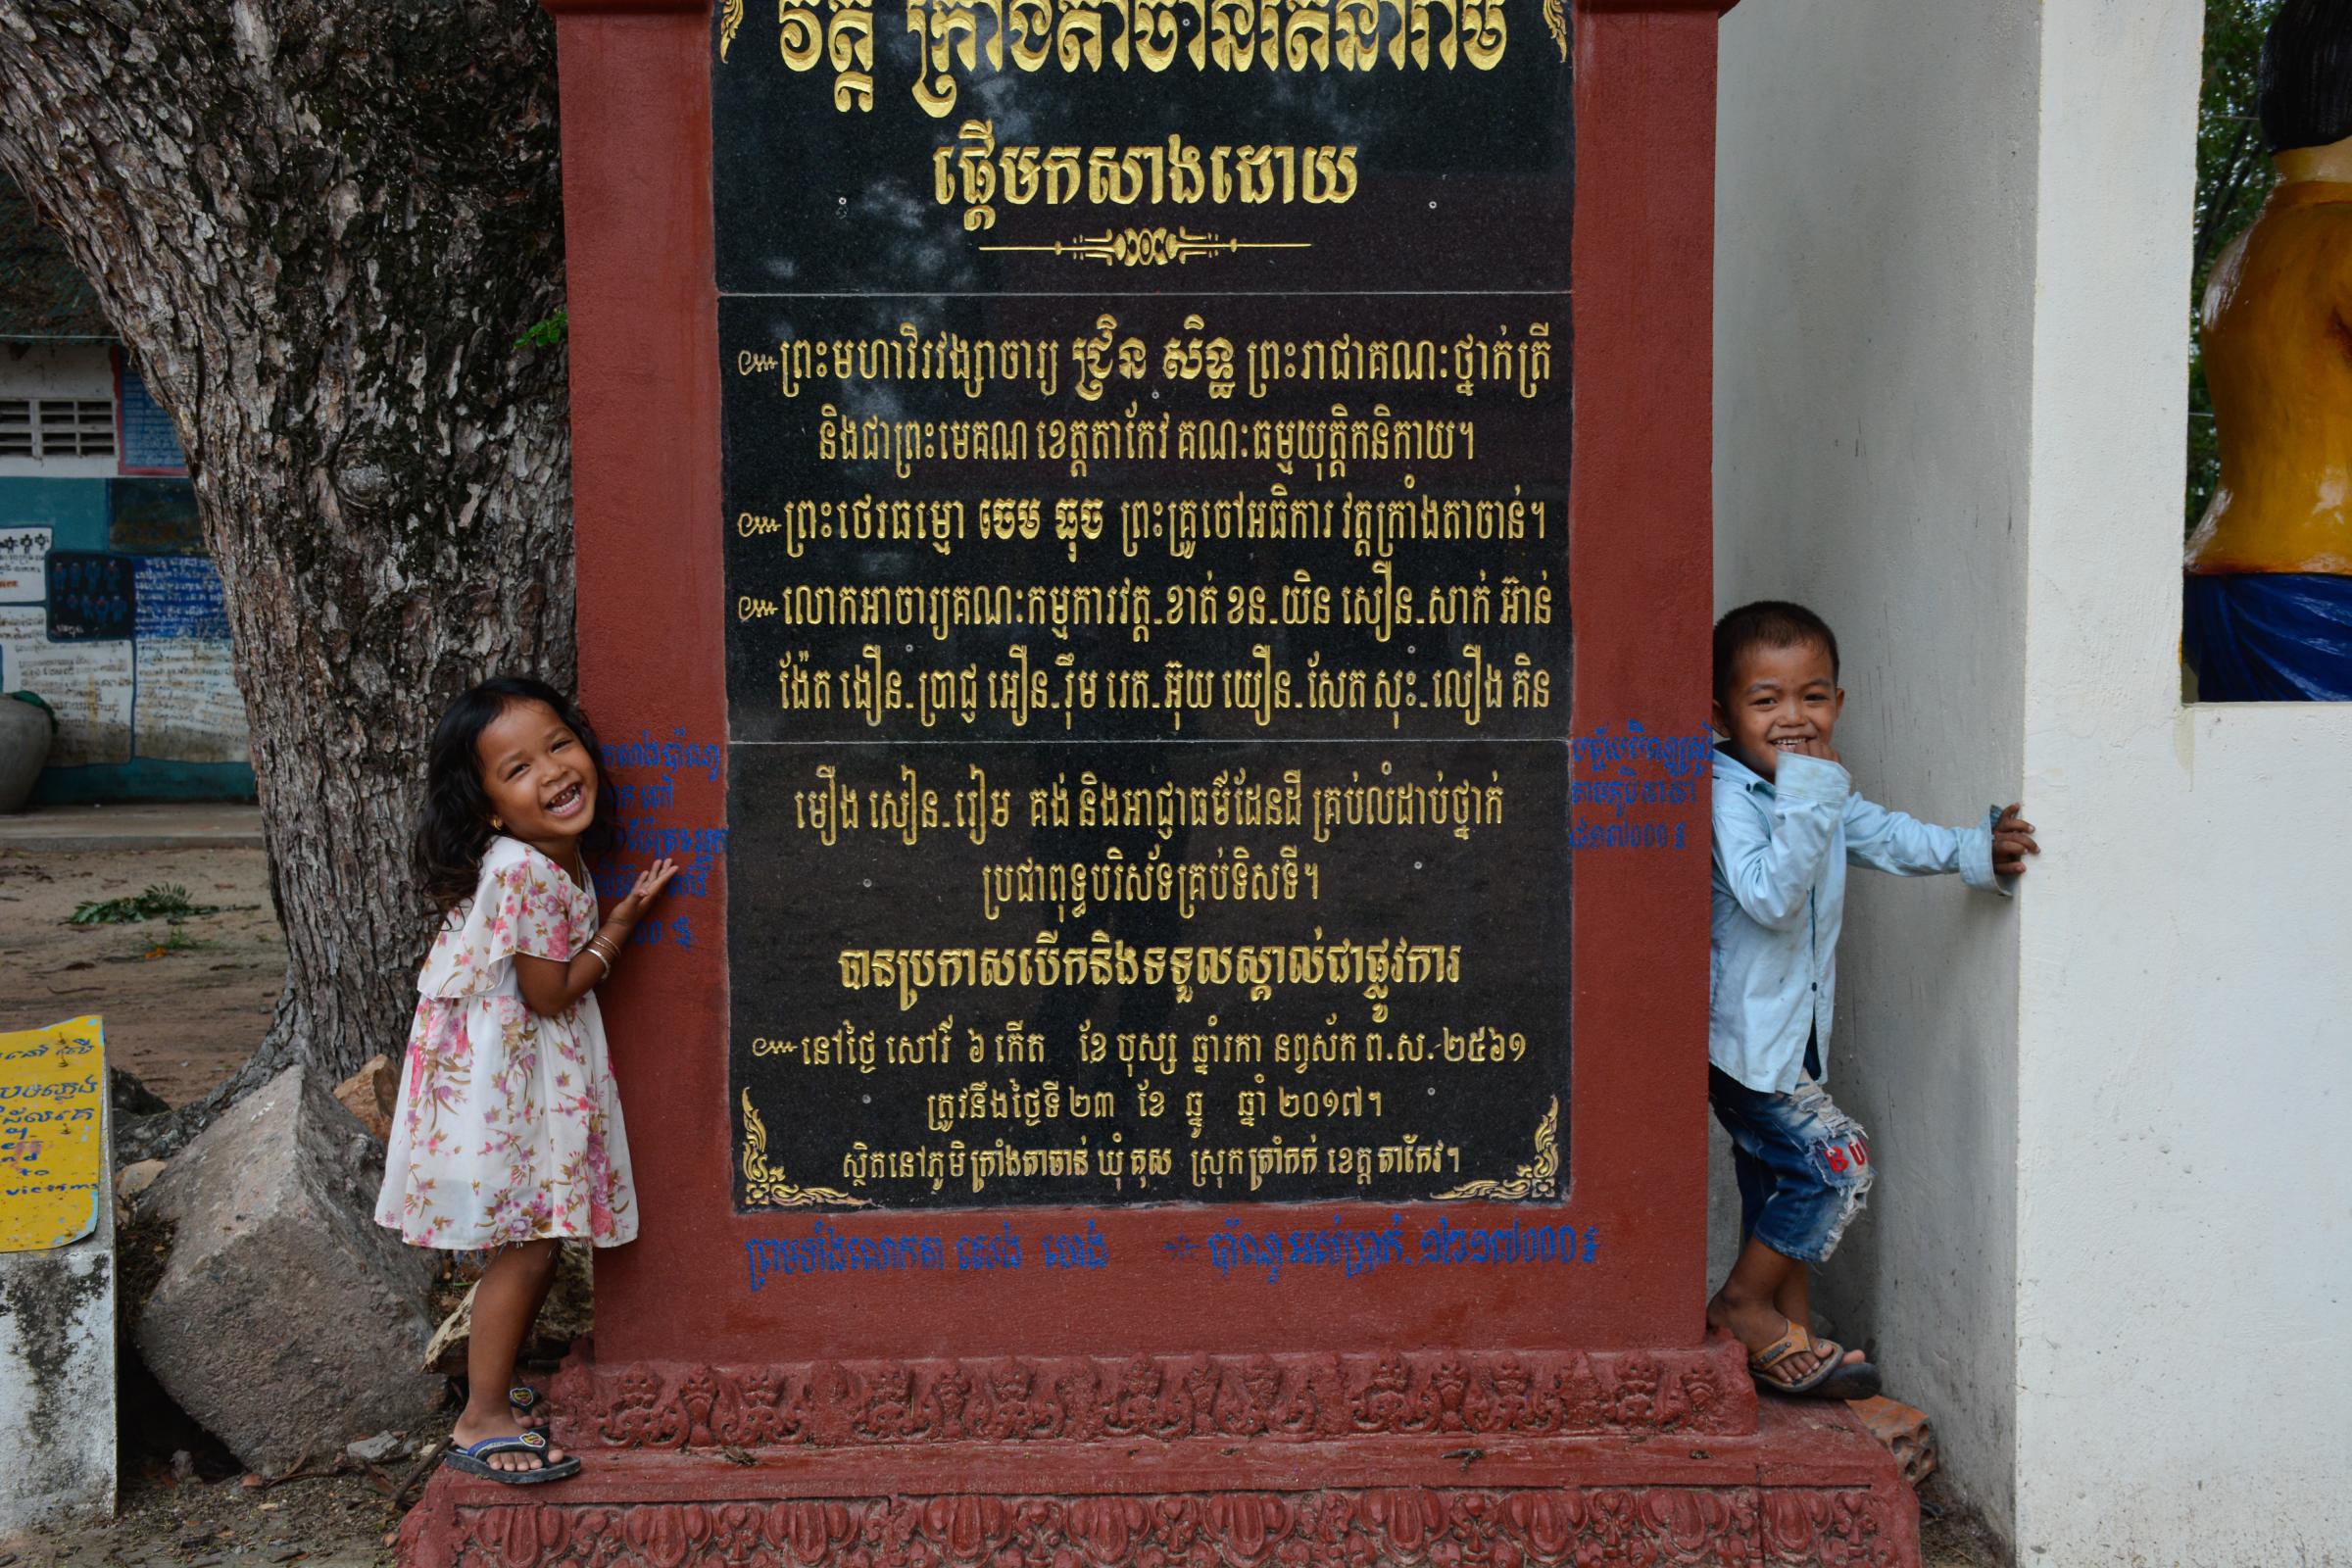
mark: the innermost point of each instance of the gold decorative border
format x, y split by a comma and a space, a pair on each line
767, 1186
730, 21
1555, 16
1151, 247
1538, 1178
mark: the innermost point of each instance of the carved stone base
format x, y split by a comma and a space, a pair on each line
1437, 1394
1811, 1487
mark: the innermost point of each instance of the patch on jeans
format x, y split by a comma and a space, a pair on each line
1849, 1159
1845, 1167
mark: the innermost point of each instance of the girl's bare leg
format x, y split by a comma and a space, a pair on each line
538, 1423
505, 1302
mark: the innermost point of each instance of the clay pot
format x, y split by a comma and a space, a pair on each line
24, 747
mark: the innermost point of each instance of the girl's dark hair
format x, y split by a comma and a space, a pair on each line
453, 831
1767, 623
2306, 76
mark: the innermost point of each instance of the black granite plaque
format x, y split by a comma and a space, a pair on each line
1146, 475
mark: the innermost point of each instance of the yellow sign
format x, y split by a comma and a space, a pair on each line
52, 1134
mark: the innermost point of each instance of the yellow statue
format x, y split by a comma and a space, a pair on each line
2269, 605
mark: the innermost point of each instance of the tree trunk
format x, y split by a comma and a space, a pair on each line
322, 228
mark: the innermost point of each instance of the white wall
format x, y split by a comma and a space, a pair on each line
79, 371
1873, 374
2185, 1050
2112, 1251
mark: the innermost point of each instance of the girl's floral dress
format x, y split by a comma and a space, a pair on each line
509, 1125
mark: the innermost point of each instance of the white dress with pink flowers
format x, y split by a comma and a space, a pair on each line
509, 1125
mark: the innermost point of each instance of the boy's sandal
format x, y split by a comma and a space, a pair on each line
473, 1460
1833, 1377
523, 1400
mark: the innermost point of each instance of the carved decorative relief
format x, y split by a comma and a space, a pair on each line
1644, 1527
1082, 1399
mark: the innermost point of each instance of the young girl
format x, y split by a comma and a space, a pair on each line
507, 1135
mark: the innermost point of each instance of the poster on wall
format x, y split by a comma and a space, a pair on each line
152, 517
148, 443
188, 709
22, 579
93, 596
87, 684
178, 596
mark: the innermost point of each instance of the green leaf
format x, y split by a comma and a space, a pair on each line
161, 901
545, 333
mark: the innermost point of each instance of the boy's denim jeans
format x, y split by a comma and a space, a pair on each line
1803, 1165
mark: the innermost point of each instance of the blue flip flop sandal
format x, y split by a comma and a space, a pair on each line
472, 1460
524, 1400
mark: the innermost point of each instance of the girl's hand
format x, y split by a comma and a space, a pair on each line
650, 883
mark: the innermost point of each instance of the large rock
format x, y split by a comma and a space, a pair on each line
285, 1318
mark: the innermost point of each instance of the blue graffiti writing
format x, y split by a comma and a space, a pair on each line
673, 755
1446, 1242
1624, 792
1680, 756
1626, 836
1353, 1250
1086, 1248
658, 795
615, 877
645, 837
1610, 777
675, 933
826, 1250
1001, 1250
697, 850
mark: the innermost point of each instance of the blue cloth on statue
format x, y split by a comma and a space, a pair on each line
2270, 637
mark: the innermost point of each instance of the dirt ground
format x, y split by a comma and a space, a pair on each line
183, 1004
336, 1522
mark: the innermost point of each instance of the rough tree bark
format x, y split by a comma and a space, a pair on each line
322, 228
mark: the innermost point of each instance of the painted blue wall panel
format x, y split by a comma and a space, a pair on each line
144, 779
98, 515
76, 508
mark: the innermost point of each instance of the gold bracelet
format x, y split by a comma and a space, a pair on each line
605, 947
592, 952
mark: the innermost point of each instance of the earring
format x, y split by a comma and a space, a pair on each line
498, 825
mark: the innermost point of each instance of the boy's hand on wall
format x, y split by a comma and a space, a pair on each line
2012, 842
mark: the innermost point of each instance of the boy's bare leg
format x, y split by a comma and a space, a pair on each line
1766, 1293
1795, 1297
503, 1305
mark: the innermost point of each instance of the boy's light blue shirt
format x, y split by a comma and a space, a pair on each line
1781, 847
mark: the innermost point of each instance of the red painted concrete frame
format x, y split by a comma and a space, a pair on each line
635, 78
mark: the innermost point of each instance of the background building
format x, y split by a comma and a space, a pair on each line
109, 608
2111, 1250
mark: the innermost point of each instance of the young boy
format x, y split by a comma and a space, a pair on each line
1786, 825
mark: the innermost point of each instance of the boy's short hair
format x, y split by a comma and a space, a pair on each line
2305, 82
1767, 623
